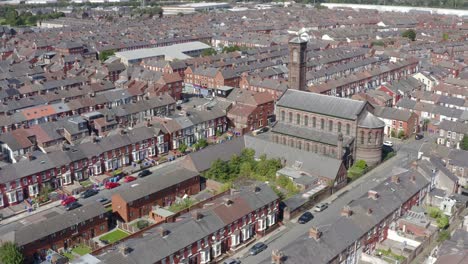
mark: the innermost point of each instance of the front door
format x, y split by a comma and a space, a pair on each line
20, 195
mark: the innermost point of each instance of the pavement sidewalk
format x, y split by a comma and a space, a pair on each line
27, 213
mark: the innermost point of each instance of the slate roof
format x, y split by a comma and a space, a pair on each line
344, 231
152, 247
161, 179
371, 121
310, 134
322, 104
36, 231
392, 113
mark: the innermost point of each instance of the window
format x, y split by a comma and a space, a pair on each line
299, 144
33, 189
11, 197
362, 137
307, 147
102, 227
217, 250
283, 116
235, 240
348, 129
246, 233
1, 200
271, 219
283, 140
306, 120
369, 137
290, 117
322, 123
205, 256
330, 125
339, 127
261, 224
314, 121
298, 119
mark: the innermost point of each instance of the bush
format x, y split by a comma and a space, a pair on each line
142, 224
361, 164
393, 133
443, 222
434, 212
401, 134
182, 148
443, 235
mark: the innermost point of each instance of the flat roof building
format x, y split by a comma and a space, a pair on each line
192, 8
177, 51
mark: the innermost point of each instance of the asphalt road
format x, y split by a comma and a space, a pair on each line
407, 152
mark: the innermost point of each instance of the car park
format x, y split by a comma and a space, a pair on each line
257, 248
320, 207
305, 217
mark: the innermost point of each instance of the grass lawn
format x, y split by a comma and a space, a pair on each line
86, 183
69, 256
82, 250
114, 236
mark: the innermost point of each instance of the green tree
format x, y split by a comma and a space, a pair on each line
434, 212
443, 222
393, 133
445, 36
10, 254
231, 49
104, 55
443, 235
208, 52
464, 142
410, 34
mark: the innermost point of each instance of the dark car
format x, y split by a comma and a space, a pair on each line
72, 206
232, 261
257, 248
305, 217
103, 200
144, 173
418, 136
88, 193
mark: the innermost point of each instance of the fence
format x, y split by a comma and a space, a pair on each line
127, 227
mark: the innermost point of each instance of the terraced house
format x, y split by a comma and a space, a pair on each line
203, 235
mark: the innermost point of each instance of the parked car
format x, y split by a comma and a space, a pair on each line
305, 217
72, 206
68, 200
102, 200
88, 193
129, 178
144, 173
388, 143
111, 185
257, 248
260, 131
232, 261
320, 207
418, 136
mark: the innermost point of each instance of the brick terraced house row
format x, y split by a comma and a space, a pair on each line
204, 235
57, 230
